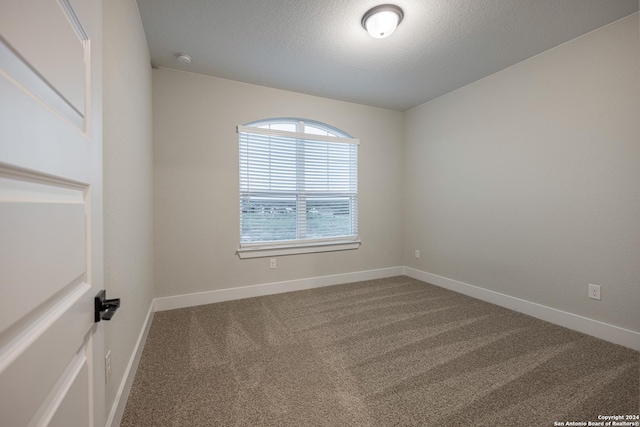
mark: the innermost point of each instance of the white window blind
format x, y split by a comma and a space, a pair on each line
296, 187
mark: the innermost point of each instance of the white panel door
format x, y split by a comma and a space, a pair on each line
51, 367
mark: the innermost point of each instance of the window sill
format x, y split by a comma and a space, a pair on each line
300, 248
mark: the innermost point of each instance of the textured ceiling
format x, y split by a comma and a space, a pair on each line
318, 47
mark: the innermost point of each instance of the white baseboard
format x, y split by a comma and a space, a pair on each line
575, 322
117, 410
210, 297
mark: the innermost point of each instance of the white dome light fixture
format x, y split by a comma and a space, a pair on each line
381, 21
184, 58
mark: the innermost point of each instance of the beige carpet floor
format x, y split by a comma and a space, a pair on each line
388, 352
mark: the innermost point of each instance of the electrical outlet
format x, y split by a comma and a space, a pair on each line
272, 263
417, 253
594, 292
107, 367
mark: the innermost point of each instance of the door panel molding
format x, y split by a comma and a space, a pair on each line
20, 336
74, 375
25, 380
44, 228
18, 71
74, 20
47, 37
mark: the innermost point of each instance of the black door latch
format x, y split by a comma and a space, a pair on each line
109, 306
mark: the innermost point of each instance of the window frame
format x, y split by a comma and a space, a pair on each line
299, 246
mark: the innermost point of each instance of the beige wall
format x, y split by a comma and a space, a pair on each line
527, 182
128, 181
196, 181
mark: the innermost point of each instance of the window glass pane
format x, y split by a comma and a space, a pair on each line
296, 189
267, 218
329, 217
315, 131
267, 163
291, 127
329, 166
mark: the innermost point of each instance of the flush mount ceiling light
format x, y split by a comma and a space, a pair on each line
184, 58
381, 21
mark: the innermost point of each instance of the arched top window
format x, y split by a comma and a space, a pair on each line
299, 125
298, 188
